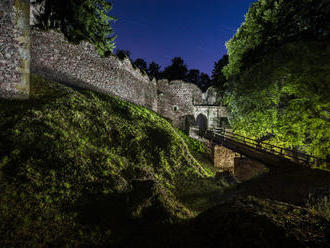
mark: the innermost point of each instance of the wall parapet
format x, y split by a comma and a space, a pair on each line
54, 58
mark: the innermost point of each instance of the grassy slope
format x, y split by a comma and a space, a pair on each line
79, 168
67, 149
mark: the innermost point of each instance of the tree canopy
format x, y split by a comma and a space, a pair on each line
123, 54
154, 70
141, 64
278, 74
272, 23
176, 71
80, 20
218, 78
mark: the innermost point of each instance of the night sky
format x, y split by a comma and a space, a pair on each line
196, 30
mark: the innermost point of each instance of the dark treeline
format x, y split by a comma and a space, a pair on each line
88, 20
178, 70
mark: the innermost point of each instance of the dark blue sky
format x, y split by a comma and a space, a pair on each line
196, 30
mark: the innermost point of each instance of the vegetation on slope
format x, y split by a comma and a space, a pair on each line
82, 169
79, 167
244, 222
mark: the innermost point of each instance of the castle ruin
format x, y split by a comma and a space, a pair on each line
79, 65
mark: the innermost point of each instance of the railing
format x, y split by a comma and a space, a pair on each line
221, 135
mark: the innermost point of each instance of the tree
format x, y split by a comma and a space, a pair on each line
205, 82
176, 71
80, 20
141, 64
218, 78
272, 23
154, 70
278, 74
193, 76
123, 54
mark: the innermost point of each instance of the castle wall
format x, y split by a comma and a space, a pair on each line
213, 96
54, 58
176, 101
14, 48
213, 114
79, 65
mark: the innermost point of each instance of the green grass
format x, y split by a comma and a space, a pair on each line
75, 166
83, 169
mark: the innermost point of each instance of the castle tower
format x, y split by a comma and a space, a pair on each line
14, 49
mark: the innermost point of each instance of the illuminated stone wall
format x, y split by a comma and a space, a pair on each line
176, 101
79, 65
14, 48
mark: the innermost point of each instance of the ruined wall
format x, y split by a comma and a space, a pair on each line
224, 158
54, 58
213, 96
213, 113
14, 48
176, 100
79, 65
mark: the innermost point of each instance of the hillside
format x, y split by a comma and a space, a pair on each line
83, 169
69, 157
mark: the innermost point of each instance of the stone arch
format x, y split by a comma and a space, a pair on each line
202, 122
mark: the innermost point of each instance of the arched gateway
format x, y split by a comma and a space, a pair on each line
201, 122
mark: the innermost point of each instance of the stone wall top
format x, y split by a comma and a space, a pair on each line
55, 58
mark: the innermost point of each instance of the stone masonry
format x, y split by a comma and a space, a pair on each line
14, 48
54, 58
176, 101
79, 65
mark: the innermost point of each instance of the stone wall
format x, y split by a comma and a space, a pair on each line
213, 114
213, 96
54, 58
79, 65
223, 158
176, 101
14, 48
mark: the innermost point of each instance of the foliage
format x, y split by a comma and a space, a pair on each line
278, 74
287, 95
319, 201
218, 78
193, 144
193, 76
176, 71
154, 70
121, 54
80, 20
205, 82
141, 64
272, 23
80, 168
